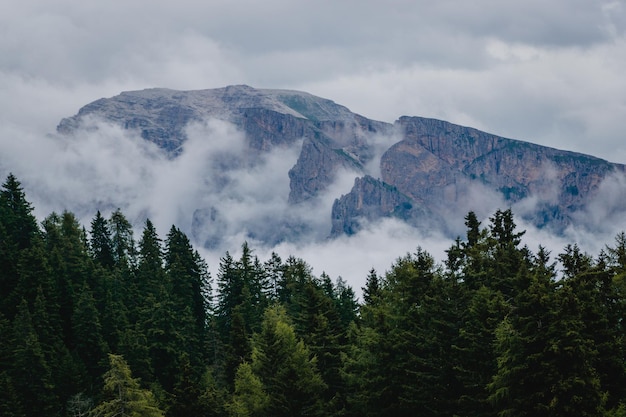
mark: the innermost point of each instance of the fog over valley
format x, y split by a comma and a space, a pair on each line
547, 74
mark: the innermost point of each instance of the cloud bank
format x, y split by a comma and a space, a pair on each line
221, 196
550, 73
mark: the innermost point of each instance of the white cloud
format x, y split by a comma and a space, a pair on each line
550, 73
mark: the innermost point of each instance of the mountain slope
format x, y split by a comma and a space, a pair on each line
433, 170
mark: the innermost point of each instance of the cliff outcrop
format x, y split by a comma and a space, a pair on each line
433, 165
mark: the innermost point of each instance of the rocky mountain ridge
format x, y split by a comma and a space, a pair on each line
432, 169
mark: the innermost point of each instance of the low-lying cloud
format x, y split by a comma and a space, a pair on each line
222, 195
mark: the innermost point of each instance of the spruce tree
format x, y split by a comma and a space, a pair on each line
10, 404
474, 351
190, 292
249, 398
122, 394
18, 228
100, 242
31, 375
286, 369
89, 344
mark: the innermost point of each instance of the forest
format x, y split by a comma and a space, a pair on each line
97, 322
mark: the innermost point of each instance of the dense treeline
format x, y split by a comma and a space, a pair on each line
94, 322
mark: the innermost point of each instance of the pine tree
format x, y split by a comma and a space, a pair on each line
285, 368
601, 309
241, 299
34, 274
10, 404
401, 362
189, 389
249, 398
89, 344
122, 394
475, 353
100, 244
274, 270
150, 271
18, 228
371, 291
30, 372
317, 320
475, 256
70, 265
508, 257
66, 370
122, 240
574, 384
189, 280
544, 356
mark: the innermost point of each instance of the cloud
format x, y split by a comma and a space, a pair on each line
547, 73
527, 70
605, 213
376, 246
564, 98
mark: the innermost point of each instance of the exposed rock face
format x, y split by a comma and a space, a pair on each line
437, 161
435, 165
333, 136
371, 200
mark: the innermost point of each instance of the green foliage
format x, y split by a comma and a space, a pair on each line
494, 330
286, 368
249, 398
122, 394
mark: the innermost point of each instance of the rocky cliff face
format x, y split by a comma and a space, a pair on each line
441, 160
433, 167
333, 136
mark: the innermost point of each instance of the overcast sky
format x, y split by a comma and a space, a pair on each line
549, 72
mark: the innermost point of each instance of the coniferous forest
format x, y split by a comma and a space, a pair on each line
95, 321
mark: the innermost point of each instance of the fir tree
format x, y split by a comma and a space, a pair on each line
286, 369
122, 394
31, 375
18, 228
249, 398
100, 244
89, 345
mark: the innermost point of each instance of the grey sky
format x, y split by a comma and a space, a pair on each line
546, 72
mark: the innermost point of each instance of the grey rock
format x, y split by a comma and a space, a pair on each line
372, 199
430, 170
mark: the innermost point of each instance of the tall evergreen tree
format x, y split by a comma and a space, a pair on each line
30, 372
16, 215
18, 227
371, 291
122, 240
100, 243
70, 265
401, 363
474, 351
10, 404
249, 398
601, 309
241, 299
122, 394
150, 269
89, 344
286, 369
545, 359
190, 291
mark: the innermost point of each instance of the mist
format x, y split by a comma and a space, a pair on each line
221, 196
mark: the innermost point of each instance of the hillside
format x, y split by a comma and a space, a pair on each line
423, 171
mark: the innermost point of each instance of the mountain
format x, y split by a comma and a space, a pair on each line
417, 169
